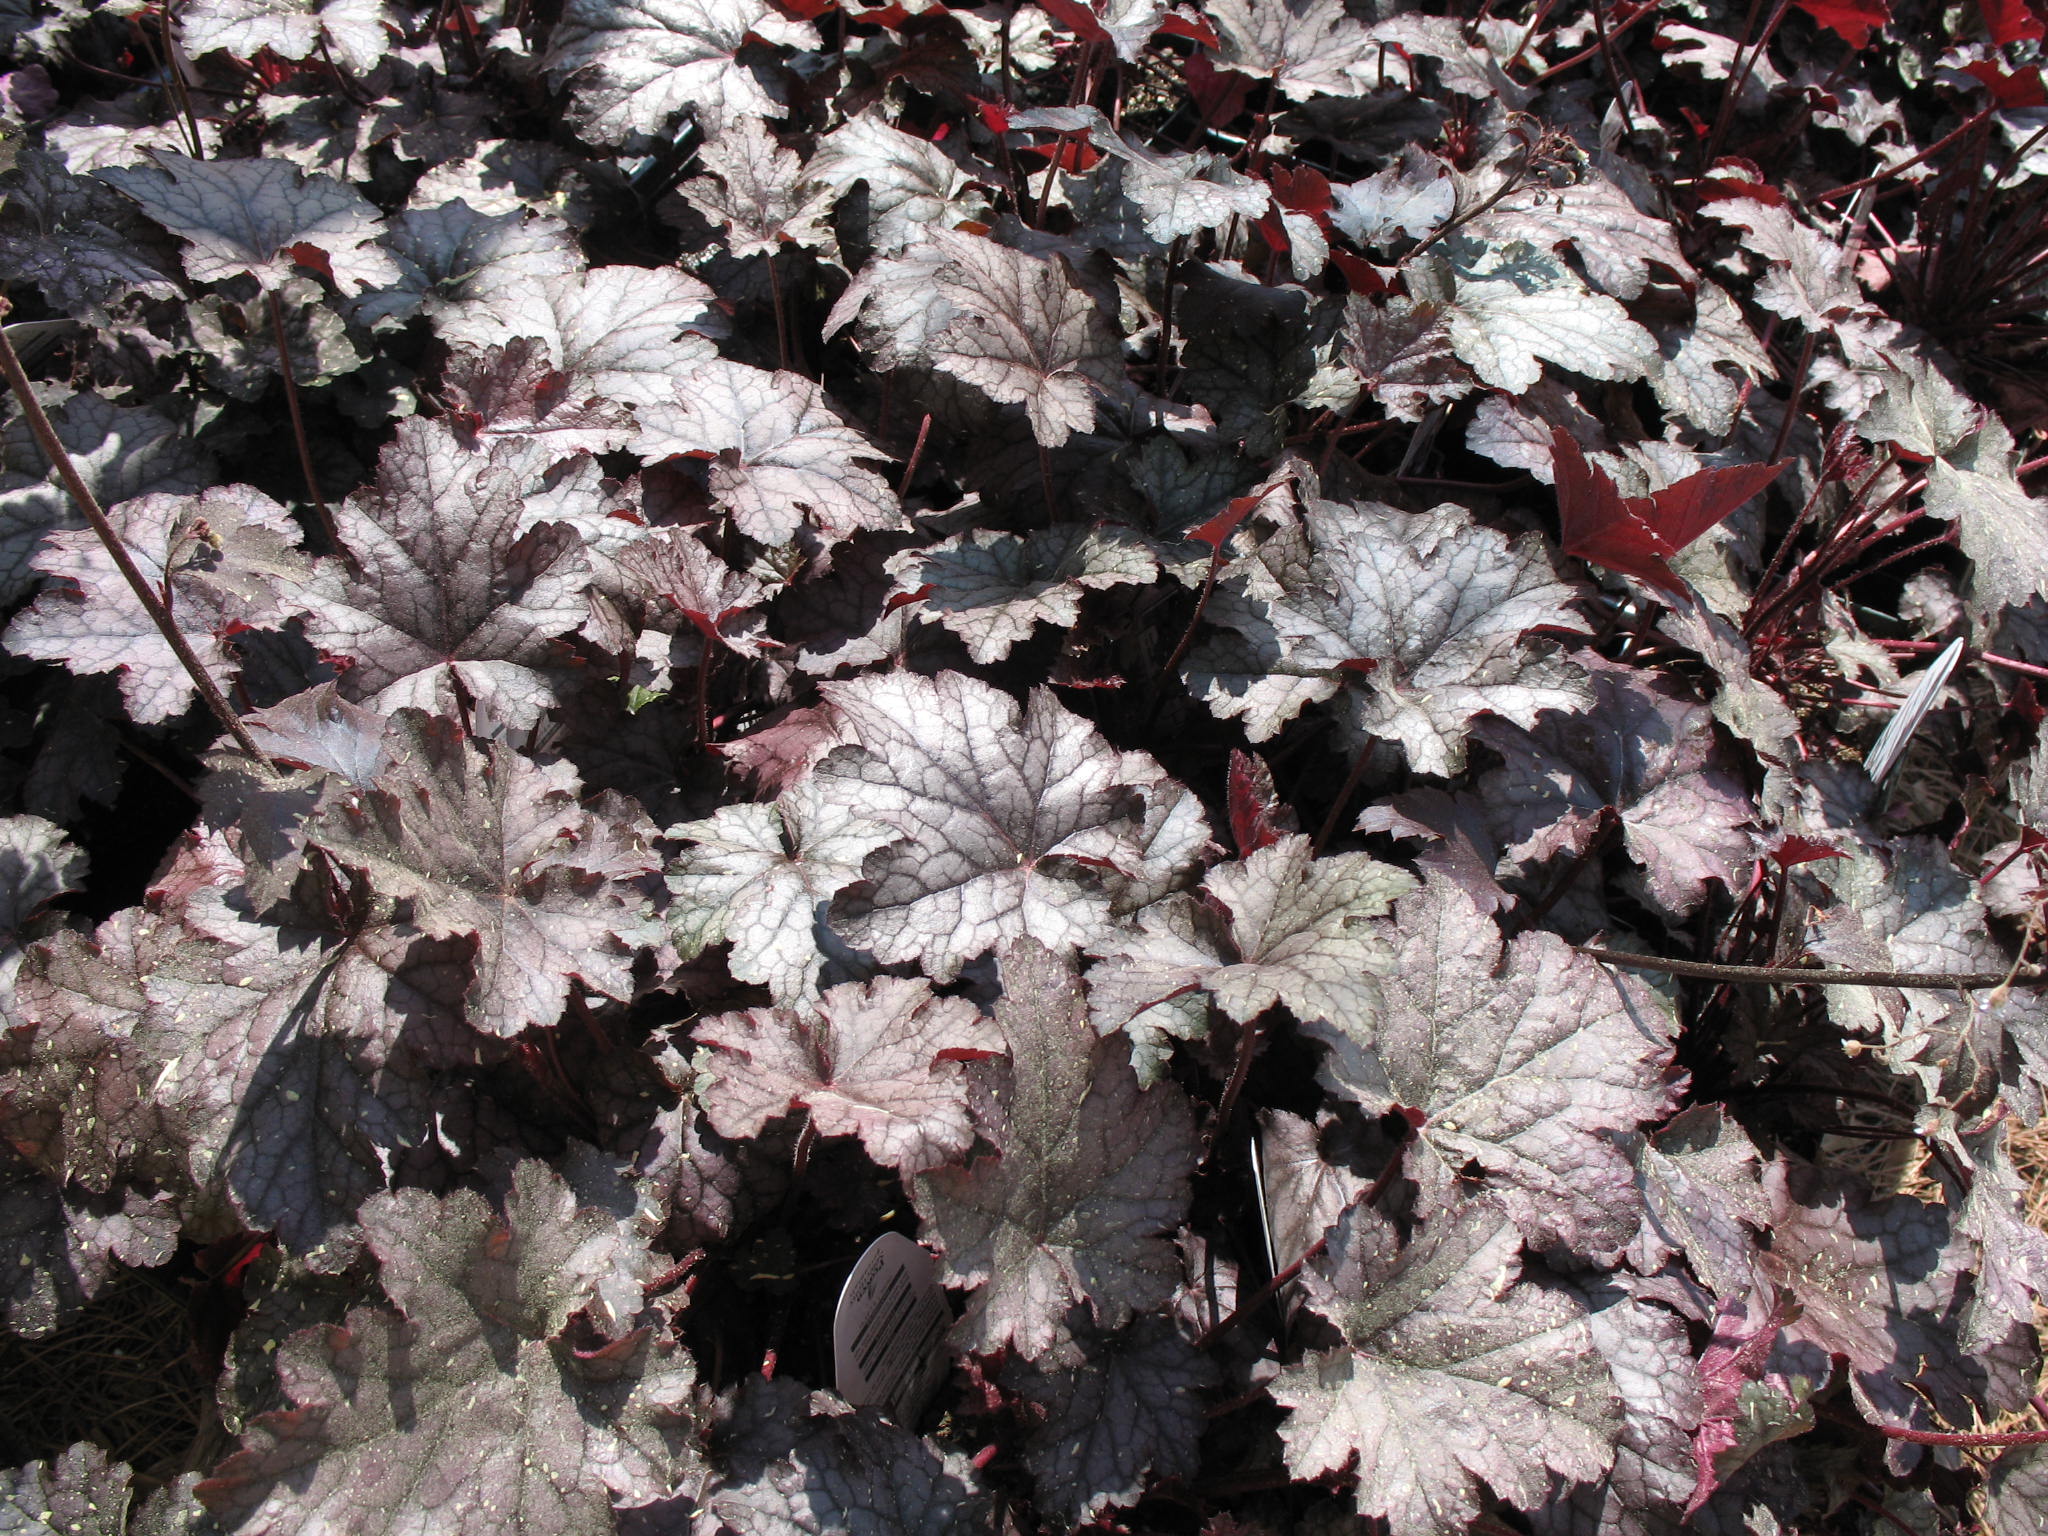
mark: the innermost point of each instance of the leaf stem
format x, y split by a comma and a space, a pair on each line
1733, 91
1990, 659
348, 87
1584, 54
704, 695
178, 88
81, 494
1988, 1440
1607, 57
1247, 1047
1912, 160
1257, 1299
1815, 976
1188, 635
1162, 378
781, 321
800, 1160
1792, 401
1336, 812
291, 399
916, 452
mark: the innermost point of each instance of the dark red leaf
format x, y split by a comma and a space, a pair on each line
1635, 535
1075, 155
2010, 91
1219, 94
1793, 850
1680, 513
1255, 811
308, 255
2012, 21
1194, 28
1851, 20
1360, 275
1306, 190
1731, 177
1085, 23
1217, 531
1596, 521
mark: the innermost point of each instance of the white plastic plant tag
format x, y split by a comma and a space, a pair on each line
1265, 1211
885, 1335
1891, 746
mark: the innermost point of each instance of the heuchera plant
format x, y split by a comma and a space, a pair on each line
1215, 657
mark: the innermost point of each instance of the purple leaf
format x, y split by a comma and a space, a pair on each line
1649, 1354
66, 1243
760, 193
1453, 1375
1092, 1174
835, 1469
913, 188
223, 560
259, 218
631, 67
1433, 605
83, 244
761, 876
286, 1066
1307, 48
444, 587
1697, 1179
489, 846
1015, 326
1277, 927
618, 333
1526, 1063
78, 1493
357, 33
1128, 1413
993, 589
464, 1390
1646, 754
2017, 1488
452, 255
1880, 1282
1008, 826
872, 1059
120, 451
513, 393
781, 459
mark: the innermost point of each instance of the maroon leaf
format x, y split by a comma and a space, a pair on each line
445, 585
1851, 20
487, 844
1092, 1174
1257, 818
871, 1059
1451, 1374
1635, 535
468, 1392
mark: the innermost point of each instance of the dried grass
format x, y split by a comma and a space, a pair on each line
120, 1374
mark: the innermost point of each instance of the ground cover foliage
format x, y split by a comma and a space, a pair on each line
1066, 629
